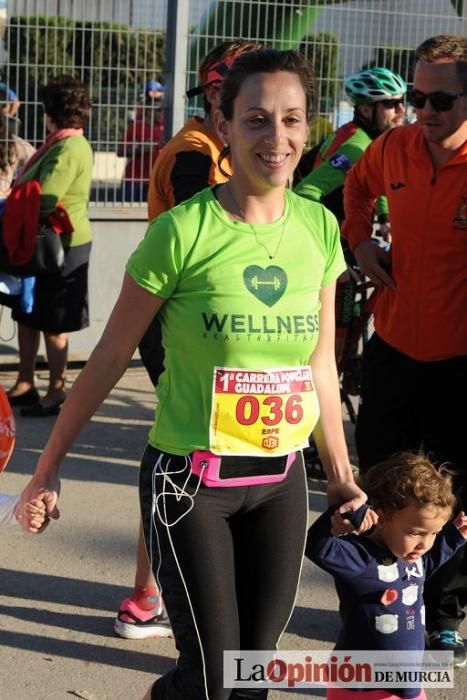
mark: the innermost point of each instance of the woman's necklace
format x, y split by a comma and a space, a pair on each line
258, 241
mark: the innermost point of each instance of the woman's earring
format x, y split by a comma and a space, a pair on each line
226, 145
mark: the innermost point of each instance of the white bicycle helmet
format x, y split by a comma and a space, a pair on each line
373, 85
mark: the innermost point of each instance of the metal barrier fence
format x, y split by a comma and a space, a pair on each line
118, 47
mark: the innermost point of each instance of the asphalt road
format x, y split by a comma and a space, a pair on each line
59, 592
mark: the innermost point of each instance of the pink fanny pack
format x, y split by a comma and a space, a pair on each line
218, 470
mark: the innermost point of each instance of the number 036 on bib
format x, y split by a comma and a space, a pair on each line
262, 412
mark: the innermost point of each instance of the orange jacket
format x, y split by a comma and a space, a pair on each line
426, 316
185, 165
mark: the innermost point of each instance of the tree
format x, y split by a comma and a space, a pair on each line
458, 6
322, 49
114, 61
396, 58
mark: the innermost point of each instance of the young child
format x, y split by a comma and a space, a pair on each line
36, 509
379, 576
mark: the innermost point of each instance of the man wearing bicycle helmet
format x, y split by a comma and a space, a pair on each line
377, 95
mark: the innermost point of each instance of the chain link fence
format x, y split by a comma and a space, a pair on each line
118, 47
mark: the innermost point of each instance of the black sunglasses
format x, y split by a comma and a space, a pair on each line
392, 104
440, 101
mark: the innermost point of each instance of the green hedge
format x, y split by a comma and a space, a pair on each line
396, 58
322, 49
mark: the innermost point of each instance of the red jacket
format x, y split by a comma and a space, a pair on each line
141, 145
426, 316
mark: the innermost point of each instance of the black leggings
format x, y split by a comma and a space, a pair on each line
228, 569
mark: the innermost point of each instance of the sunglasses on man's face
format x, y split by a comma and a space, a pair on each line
440, 101
392, 104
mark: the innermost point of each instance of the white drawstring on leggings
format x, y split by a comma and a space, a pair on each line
168, 488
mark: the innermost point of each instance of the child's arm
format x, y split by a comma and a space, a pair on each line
452, 538
337, 555
7, 509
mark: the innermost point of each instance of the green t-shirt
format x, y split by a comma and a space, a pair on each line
229, 304
65, 175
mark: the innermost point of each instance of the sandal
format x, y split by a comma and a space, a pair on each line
37, 410
27, 398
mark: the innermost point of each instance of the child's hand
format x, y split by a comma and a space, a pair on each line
356, 522
461, 523
369, 521
37, 514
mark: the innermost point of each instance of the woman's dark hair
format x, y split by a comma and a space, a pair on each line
66, 100
265, 61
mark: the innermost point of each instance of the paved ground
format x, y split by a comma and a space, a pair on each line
59, 592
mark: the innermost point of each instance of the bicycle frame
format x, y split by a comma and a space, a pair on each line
348, 368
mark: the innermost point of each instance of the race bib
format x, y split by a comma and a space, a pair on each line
262, 412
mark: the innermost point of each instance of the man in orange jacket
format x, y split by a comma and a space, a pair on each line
415, 365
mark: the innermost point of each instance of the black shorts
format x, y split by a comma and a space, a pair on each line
406, 403
61, 300
227, 562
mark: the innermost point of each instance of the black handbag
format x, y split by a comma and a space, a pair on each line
48, 257
9, 300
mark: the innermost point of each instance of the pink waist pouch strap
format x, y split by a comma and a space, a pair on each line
217, 470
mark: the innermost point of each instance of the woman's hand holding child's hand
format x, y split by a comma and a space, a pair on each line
351, 496
35, 512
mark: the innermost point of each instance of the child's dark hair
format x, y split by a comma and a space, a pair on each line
266, 61
407, 478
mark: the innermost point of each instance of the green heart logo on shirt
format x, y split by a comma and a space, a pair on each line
267, 285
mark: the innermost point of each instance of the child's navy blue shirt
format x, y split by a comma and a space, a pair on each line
367, 577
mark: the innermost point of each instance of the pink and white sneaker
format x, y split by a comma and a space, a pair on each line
134, 623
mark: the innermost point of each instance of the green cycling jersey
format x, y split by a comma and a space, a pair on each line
321, 172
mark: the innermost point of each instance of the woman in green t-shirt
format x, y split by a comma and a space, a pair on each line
243, 276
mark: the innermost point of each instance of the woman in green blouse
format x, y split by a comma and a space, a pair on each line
63, 167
